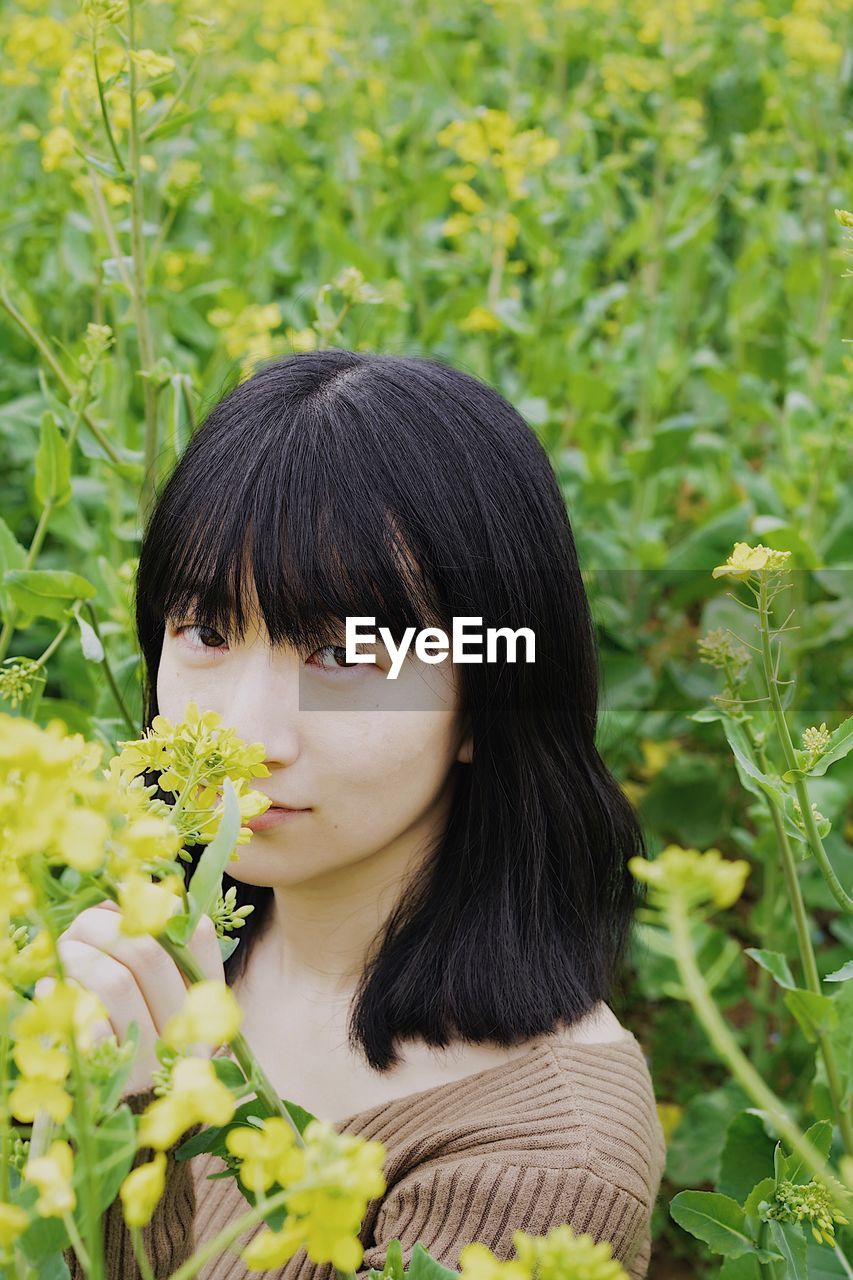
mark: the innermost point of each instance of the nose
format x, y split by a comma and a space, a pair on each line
261, 704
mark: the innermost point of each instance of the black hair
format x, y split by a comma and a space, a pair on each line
313, 474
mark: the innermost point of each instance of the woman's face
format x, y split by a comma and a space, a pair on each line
367, 757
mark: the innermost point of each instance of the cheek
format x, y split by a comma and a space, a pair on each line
177, 685
396, 761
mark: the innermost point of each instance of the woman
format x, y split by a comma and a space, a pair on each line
438, 925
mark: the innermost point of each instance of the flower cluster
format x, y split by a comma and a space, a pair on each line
719, 648
794, 1202
330, 1181
744, 561
194, 758
816, 741
16, 680
43, 1034
225, 913
561, 1255
687, 877
196, 1096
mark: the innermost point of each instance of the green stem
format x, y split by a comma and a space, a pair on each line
111, 681
213, 1248
5, 1126
811, 976
179, 93
105, 115
59, 373
844, 900
140, 293
739, 1065
253, 1070
77, 1243
103, 216
140, 1254
54, 644
765, 986
94, 1239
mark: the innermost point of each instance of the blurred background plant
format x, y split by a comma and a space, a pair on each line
621, 215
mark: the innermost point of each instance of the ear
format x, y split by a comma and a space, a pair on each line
466, 751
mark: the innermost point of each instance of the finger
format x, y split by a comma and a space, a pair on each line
114, 985
204, 944
152, 969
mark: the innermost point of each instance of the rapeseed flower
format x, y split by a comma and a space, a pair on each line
690, 877
341, 1174
13, 1223
794, 1202
52, 1174
142, 1190
745, 560
210, 1015
562, 1255
268, 1155
196, 1096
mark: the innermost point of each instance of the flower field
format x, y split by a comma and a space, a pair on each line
633, 220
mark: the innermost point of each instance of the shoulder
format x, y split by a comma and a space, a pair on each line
567, 1134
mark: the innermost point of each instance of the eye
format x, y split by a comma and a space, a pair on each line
336, 650
205, 648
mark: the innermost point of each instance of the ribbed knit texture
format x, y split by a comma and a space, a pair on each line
564, 1133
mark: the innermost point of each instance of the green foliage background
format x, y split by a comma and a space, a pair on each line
619, 213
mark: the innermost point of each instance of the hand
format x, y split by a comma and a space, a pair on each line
136, 979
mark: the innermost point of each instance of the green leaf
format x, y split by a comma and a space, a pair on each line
213, 1138
228, 944
45, 593
206, 882
229, 1072
776, 963
820, 1135
844, 974
424, 1267
12, 556
815, 1013
719, 1221
747, 1156
788, 1238
393, 1269
763, 1190
53, 465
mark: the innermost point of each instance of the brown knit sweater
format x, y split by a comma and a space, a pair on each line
565, 1133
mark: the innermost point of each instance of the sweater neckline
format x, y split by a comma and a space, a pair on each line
544, 1044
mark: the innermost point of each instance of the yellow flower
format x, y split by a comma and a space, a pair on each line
197, 1096
562, 1255
690, 877
477, 1262
147, 906
142, 1190
31, 1096
211, 1015
52, 1174
13, 1223
745, 560
151, 63
465, 195
479, 320
33, 1058
268, 1155
326, 1205
82, 843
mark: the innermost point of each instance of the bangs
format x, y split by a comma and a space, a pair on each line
305, 535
